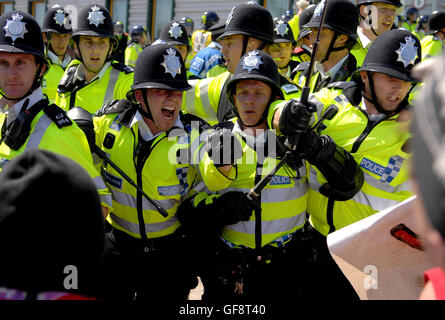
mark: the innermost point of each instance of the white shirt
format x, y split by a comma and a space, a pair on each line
372, 117
13, 111
364, 39
333, 71
56, 60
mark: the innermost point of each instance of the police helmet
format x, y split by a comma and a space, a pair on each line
305, 17
119, 23
341, 16
412, 11
395, 3
20, 33
160, 66
422, 20
287, 16
187, 21
282, 32
256, 65
436, 21
209, 18
174, 33
394, 53
94, 20
137, 30
57, 21
249, 19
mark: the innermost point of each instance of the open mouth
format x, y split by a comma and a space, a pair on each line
168, 112
387, 25
393, 98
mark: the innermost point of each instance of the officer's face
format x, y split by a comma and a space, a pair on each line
251, 99
94, 51
283, 54
325, 40
17, 73
379, 15
390, 91
164, 107
59, 43
232, 47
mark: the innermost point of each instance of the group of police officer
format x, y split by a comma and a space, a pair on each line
179, 164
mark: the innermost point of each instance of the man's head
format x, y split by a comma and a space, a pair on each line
436, 24
175, 34
248, 27
94, 40
22, 57
159, 82
386, 70
378, 16
208, 19
138, 35
57, 30
253, 87
188, 23
118, 28
411, 15
285, 44
339, 28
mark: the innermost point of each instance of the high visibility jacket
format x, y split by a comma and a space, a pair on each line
132, 53
410, 27
283, 200
52, 78
359, 52
293, 23
200, 40
68, 140
288, 87
378, 147
300, 55
152, 165
419, 34
113, 82
431, 46
317, 83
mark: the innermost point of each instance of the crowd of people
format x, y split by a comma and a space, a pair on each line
226, 154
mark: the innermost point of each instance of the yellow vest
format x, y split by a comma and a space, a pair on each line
132, 53
359, 52
294, 25
51, 81
200, 40
109, 84
431, 46
283, 200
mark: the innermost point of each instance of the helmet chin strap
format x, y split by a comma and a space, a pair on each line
145, 113
331, 47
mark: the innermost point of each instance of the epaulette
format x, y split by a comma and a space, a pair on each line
188, 120
57, 115
122, 67
350, 89
114, 106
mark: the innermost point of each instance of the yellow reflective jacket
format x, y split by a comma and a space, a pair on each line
200, 40
432, 46
131, 53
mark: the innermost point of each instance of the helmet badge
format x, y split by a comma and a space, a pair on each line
407, 52
15, 28
96, 17
175, 30
281, 28
59, 17
252, 61
171, 63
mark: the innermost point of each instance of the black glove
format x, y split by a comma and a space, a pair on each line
223, 147
315, 148
295, 117
234, 206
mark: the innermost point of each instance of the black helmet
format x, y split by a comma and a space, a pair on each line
394, 52
160, 66
174, 33
20, 33
137, 30
256, 65
341, 16
283, 32
209, 18
396, 3
187, 21
249, 19
422, 19
305, 17
57, 20
287, 16
411, 11
94, 20
436, 22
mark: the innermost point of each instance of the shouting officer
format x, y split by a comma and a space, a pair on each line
27, 118
139, 41
367, 125
384, 13
333, 60
259, 252
146, 258
93, 79
433, 43
248, 27
56, 34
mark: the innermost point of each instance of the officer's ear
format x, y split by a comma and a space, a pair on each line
45, 39
364, 77
138, 96
253, 44
341, 40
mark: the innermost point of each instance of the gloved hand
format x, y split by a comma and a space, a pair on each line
315, 148
295, 117
223, 147
234, 206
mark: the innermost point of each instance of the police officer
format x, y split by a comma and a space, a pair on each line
258, 253
56, 34
146, 258
201, 38
367, 125
285, 42
27, 118
422, 27
188, 23
138, 42
333, 60
369, 29
303, 51
93, 78
122, 39
410, 24
248, 27
433, 43
175, 34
